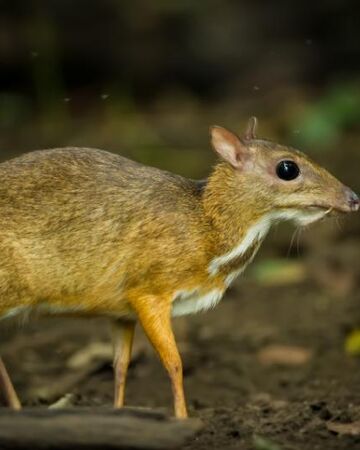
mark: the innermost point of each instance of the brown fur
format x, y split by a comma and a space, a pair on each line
82, 228
87, 232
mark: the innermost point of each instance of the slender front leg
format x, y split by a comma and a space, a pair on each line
155, 317
7, 388
123, 335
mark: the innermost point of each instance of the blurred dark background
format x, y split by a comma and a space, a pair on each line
148, 78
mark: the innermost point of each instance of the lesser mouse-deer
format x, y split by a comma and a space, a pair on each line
90, 233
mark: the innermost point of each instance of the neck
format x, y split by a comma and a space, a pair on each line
239, 225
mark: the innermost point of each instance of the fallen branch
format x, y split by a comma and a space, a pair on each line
92, 428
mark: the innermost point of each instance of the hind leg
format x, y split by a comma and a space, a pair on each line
12, 303
123, 334
7, 388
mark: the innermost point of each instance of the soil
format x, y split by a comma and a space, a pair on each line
243, 401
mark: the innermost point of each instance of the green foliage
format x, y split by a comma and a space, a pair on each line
261, 443
352, 343
272, 272
323, 122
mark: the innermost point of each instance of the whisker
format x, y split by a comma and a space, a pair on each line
338, 223
291, 243
298, 242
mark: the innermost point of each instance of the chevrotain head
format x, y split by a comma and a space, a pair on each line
279, 180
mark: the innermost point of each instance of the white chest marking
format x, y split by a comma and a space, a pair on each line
186, 302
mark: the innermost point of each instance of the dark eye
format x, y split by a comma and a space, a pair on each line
287, 170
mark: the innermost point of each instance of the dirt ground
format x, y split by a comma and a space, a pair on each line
235, 382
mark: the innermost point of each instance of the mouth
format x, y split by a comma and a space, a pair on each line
326, 210
330, 209
326, 202
315, 212
311, 213
346, 202
303, 216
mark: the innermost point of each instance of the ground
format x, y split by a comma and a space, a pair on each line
246, 397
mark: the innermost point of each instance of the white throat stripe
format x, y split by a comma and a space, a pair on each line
258, 231
255, 233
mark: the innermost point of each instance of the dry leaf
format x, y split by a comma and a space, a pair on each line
352, 428
285, 355
95, 351
64, 402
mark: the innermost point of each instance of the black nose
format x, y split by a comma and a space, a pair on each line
353, 200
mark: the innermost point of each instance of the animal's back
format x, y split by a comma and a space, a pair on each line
75, 221
44, 178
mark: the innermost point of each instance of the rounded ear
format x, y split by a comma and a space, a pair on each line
228, 146
250, 132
